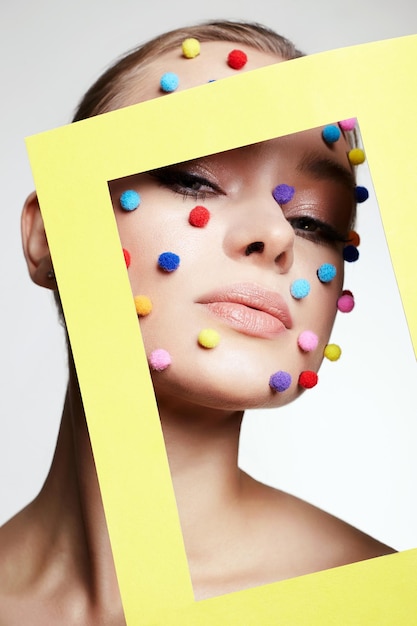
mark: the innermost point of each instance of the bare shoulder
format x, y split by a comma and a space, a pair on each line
303, 538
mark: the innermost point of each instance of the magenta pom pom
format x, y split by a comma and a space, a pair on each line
159, 359
348, 124
345, 303
307, 341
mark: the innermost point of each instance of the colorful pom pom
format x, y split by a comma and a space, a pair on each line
126, 255
208, 338
159, 360
348, 124
283, 193
199, 216
346, 302
361, 194
326, 272
143, 305
168, 261
350, 253
332, 352
356, 156
300, 288
331, 133
307, 341
308, 379
353, 238
190, 48
169, 82
237, 59
280, 381
129, 200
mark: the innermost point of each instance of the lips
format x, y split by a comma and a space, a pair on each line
249, 309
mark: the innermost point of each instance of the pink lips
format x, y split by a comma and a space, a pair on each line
250, 309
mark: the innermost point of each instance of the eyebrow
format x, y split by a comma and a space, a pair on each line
320, 167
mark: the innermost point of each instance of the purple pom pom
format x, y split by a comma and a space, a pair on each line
283, 193
280, 381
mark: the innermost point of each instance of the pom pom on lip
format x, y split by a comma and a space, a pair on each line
143, 305
283, 193
190, 47
332, 352
356, 156
307, 341
308, 379
159, 360
300, 288
237, 59
208, 338
361, 194
346, 302
129, 200
350, 253
169, 82
199, 216
326, 272
126, 255
348, 124
280, 381
168, 261
331, 133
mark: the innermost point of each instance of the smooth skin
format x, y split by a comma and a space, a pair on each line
56, 565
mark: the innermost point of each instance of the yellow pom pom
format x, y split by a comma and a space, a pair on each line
332, 352
356, 156
143, 305
190, 48
208, 338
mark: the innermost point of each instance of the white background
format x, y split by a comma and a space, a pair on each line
349, 445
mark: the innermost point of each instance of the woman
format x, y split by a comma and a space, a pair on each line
271, 215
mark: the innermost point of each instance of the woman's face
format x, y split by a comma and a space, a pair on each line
235, 273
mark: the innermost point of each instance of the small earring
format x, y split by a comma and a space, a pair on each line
50, 275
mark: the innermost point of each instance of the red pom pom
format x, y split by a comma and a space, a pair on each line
199, 216
308, 379
237, 59
126, 255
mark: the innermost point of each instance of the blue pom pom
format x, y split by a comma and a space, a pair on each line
283, 193
350, 253
361, 194
300, 288
129, 200
168, 261
331, 133
326, 272
280, 381
169, 82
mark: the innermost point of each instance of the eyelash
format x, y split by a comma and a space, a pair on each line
315, 230
184, 183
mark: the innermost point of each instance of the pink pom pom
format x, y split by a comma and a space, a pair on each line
348, 124
307, 341
345, 303
159, 360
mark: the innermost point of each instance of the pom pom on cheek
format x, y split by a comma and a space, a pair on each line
143, 305
280, 381
199, 216
208, 338
326, 273
159, 360
168, 261
308, 379
300, 288
307, 341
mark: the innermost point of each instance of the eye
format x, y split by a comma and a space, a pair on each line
315, 230
186, 183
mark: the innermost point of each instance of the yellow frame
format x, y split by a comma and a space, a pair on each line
71, 166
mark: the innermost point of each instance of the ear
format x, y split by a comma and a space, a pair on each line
35, 244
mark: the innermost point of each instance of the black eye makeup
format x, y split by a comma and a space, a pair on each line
186, 182
315, 230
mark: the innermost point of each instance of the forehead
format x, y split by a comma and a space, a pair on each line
210, 65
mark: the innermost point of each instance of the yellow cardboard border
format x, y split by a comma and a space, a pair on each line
71, 166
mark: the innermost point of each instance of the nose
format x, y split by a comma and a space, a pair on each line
259, 233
